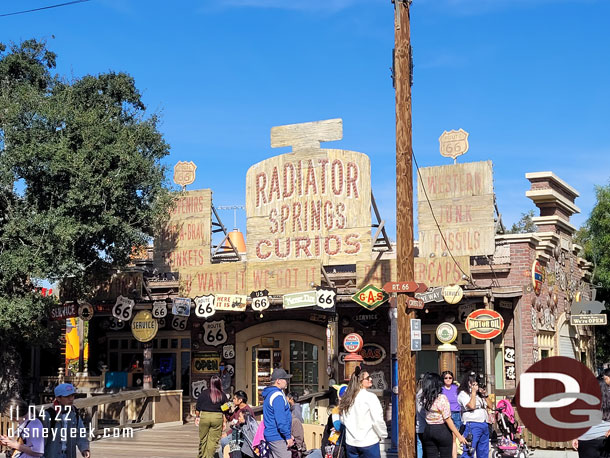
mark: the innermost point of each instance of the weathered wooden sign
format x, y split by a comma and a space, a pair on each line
226, 278
453, 143
437, 271
184, 173
311, 203
282, 277
462, 198
184, 242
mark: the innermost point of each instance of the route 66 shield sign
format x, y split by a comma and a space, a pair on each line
204, 306
453, 143
214, 333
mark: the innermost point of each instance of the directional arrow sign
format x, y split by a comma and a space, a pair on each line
404, 287
413, 303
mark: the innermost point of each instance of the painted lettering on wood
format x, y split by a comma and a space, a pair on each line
310, 204
280, 278
228, 278
184, 242
431, 271
462, 198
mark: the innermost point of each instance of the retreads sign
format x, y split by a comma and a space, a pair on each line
310, 204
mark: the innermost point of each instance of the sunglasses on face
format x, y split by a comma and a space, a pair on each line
448, 377
368, 378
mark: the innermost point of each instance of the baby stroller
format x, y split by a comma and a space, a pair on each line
506, 443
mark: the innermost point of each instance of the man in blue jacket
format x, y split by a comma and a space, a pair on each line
277, 416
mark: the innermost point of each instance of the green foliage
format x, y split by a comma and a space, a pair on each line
524, 225
80, 181
594, 237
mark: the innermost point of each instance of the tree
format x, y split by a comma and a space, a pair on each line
524, 225
594, 237
81, 184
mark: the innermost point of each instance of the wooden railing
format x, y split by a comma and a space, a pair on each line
96, 406
127, 409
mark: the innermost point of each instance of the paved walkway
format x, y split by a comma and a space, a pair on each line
183, 441
158, 442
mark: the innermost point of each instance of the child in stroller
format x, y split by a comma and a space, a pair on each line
505, 445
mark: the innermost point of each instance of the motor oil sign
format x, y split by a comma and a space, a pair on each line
370, 297
484, 324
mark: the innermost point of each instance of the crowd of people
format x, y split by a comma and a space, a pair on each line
451, 420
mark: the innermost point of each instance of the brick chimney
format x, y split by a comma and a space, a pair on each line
555, 199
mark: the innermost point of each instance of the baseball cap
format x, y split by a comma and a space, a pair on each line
65, 389
278, 374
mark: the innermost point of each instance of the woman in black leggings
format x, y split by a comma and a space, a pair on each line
438, 436
595, 443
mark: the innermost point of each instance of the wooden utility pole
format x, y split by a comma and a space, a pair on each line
404, 227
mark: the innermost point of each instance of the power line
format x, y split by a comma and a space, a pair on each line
436, 221
44, 8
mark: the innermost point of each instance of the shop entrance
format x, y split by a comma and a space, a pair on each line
171, 360
264, 347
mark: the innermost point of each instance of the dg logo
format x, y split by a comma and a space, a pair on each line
559, 399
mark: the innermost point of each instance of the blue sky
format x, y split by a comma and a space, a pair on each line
528, 79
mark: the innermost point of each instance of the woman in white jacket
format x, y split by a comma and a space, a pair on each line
362, 416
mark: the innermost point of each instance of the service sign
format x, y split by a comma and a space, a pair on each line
206, 363
144, 327
64, 311
312, 203
484, 324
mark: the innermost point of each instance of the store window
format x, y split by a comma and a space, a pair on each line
470, 360
171, 360
303, 367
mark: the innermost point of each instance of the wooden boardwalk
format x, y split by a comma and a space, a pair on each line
158, 442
